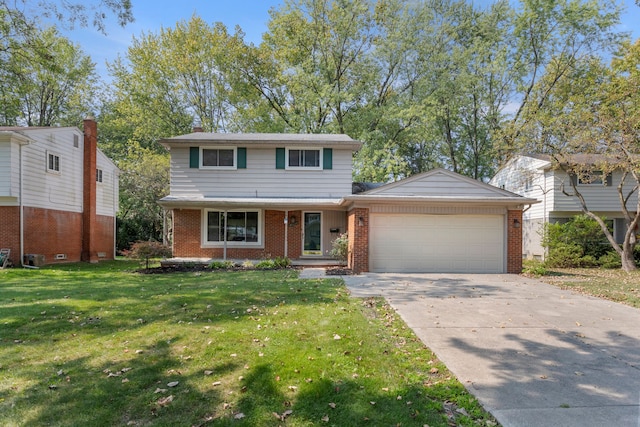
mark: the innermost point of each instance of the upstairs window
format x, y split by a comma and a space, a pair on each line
593, 178
53, 163
304, 159
218, 157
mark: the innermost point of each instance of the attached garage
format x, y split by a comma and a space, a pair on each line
436, 222
437, 243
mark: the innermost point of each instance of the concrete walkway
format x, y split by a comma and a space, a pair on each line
533, 354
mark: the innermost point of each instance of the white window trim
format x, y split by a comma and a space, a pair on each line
307, 168
231, 243
99, 174
235, 158
53, 171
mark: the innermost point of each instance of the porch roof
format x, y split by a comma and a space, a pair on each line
277, 203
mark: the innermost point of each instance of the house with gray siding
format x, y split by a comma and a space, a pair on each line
255, 196
536, 177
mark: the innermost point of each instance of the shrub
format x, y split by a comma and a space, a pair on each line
610, 260
222, 265
273, 264
147, 250
340, 247
533, 267
579, 242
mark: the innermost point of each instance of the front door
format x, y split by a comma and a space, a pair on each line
312, 241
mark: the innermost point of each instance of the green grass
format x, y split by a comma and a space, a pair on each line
614, 285
97, 345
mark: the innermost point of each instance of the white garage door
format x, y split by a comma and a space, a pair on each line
436, 243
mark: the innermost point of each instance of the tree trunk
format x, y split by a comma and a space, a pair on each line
628, 261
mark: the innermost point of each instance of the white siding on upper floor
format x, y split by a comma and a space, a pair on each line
260, 178
7, 160
599, 198
526, 176
107, 190
59, 191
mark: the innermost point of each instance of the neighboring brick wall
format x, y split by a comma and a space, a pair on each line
358, 258
514, 242
49, 232
187, 234
10, 231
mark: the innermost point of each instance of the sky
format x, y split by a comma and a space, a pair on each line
251, 15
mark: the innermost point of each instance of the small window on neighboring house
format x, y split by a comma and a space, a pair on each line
53, 163
76, 141
306, 159
98, 175
594, 178
223, 158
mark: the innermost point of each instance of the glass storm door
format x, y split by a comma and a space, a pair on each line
312, 242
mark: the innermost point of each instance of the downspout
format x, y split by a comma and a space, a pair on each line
21, 211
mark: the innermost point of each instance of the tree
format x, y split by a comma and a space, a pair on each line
591, 127
57, 90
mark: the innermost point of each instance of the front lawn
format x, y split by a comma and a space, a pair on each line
614, 285
100, 345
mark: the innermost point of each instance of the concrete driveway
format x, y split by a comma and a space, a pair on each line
533, 355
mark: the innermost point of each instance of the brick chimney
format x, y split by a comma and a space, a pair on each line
197, 129
89, 214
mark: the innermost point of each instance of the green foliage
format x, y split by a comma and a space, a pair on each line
578, 242
56, 88
222, 265
273, 264
340, 247
532, 267
610, 260
147, 250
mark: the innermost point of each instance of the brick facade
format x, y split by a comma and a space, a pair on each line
10, 230
514, 242
89, 217
50, 232
187, 226
358, 231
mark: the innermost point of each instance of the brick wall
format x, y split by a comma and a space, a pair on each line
89, 216
187, 240
514, 242
10, 231
49, 232
358, 258
103, 239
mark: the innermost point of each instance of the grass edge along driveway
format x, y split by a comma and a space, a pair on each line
100, 345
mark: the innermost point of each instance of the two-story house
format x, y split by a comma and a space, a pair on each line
536, 176
252, 196
58, 195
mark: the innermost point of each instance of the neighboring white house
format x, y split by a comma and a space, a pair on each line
251, 196
58, 195
534, 176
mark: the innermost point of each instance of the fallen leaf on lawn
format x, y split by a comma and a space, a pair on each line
139, 351
217, 383
160, 390
173, 383
234, 355
164, 401
325, 418
123, 370
208, 372
226, 405
125, 380
293, 388
434, 370
239, 416
385, 388
332, 405
373, 403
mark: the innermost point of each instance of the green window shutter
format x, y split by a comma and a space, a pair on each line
242, 158
280, 158
327, 158
194, 157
